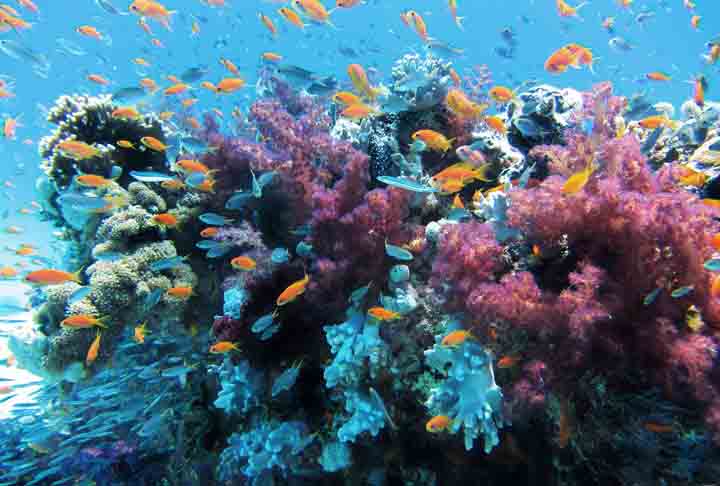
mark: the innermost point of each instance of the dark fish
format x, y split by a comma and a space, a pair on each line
109, 7
124, 95
296, 74
652, 140
444, 49
23, 53
505, 52
194, 74
508, 35
323, 87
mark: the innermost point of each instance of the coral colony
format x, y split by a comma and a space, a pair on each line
420, 297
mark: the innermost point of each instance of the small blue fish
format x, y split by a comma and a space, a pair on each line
214, 219
238, 200
166, 263
153, 298
304, 249
269, 332
650, 298
150, 176
286, 380
81, 202
406, 183
219, 251
358, 295
196, 179
398, 253
208, 244
280, 255
682, 291
713, 265
109, 256
262, 323
79, 294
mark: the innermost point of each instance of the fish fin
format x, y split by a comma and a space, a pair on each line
77, 276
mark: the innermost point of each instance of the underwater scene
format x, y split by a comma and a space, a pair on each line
359, 242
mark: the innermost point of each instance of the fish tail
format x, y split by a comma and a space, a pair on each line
101, 322
77, 276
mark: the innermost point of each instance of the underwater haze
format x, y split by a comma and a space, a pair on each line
359, 242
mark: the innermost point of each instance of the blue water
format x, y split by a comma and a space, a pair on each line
371, 34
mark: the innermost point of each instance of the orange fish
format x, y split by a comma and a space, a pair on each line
577, 181
149, 84
657, 76
139, 333
700, 86
126, 144
346, 98
347, 3
209, 86
140, 61
166, 220
125, 113
230, 66
153, 144
455, 78
76, 150
96, 78
508, 361
269, 24
295, 290
313, 9
715, 287
25, 251
188, 165
195, 28
456, 338
93, 350
89, 31
223, 347
180, 292
49, 276
501, 94
383, 314
360, 81
210, 232
10, 126
496, 123
419, 24
461, 171
173, 184
154, 10
462, 106
8, 272
176, 89
695, 21
188, 102
714, 53
559, 61
173, 79
656, 121
581, 56
229, 85
291, 16
92, 180
157, 43
83, 321
565, 10
658, 428
438, 424
243, 263
29, 5
271, 56
356, 112
434, 140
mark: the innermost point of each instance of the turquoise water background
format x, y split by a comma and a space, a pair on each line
373, 30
